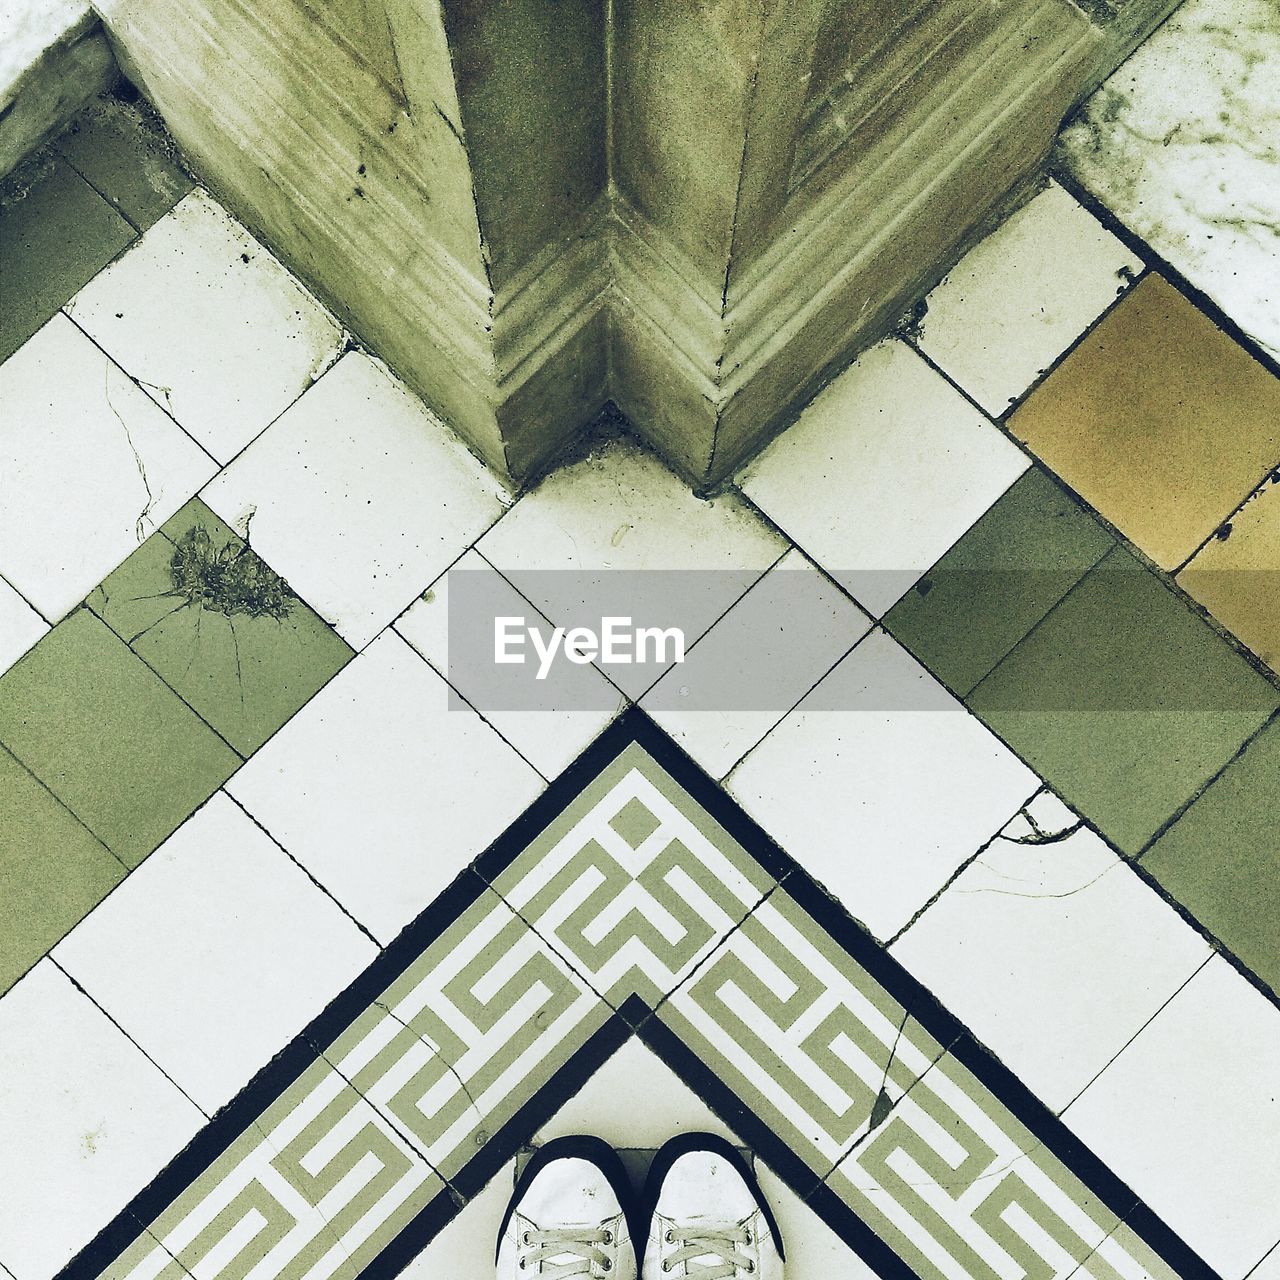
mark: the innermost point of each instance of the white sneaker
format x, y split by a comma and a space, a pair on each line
707, 1216
569, 1216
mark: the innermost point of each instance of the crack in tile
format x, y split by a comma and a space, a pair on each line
1033, 897
436, 1052
139, 524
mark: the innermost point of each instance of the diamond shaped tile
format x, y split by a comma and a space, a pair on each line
220, 627
108, 737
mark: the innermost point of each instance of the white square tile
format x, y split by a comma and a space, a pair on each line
880, 784
1054, 954
1006, 312
211, 325
20, 626
756, 663
548, 721
383, 788
85, 1122
1189, 1116
88, 467
215, 953
619, 534
358, 496
882, 474
635, 1071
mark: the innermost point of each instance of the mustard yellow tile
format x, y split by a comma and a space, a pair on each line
1159, 420
1236, 575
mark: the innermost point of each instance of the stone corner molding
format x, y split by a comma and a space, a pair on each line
699, 211
54, 61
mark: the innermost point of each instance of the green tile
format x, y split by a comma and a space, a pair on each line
998, 581
1221, 859
52, 870
106, 735
1125, 700
220, 627
55, 235
128, 159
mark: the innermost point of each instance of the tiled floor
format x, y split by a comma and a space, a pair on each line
941, 875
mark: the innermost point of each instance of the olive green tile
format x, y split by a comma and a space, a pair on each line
220, 627
121, 152
998, 581
1124, 700
1221, 859
56, 233
105, 734
52, 870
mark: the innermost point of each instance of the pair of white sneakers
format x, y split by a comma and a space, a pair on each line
701, 1215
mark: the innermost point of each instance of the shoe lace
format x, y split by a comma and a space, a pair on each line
561, 1252
695, 1244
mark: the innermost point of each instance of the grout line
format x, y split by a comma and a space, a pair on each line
115, 888
111, 203
305, 870
115, 635
732, 486
462, 697
724, 779
715, 951
944, 1050
1128, 285
550, 943
1270, 477
380, 1112
138, 382
1177, 814
1053, 608
1094, 1078
80, 988
542, 614
716, 621
892, 941
39, 613
1161, 265
145, 1230
1274, 1250
1001, 417
62, 804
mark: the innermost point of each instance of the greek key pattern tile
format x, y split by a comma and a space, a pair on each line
960, 1189
633, 884
314, 1187
802, 1032
452, 1048
637, 900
